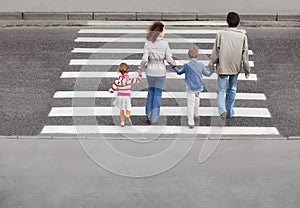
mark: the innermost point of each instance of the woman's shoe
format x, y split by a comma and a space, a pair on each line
148, 121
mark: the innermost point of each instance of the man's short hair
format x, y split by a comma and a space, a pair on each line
193, 52
233, 19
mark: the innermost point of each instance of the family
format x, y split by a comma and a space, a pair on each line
229, 54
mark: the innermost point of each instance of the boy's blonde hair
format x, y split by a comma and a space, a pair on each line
123, 68
193, 52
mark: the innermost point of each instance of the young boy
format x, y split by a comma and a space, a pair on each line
194, 83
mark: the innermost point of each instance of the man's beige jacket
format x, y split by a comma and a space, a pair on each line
230, 52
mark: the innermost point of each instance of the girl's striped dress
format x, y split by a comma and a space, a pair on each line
123, 86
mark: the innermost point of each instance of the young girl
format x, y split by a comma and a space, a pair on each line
123, 86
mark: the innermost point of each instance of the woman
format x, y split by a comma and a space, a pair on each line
156, 50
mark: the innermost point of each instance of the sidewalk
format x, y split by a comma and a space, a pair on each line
58, 173
46, 19
203, 6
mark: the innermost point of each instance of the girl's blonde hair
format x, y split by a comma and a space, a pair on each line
123, 68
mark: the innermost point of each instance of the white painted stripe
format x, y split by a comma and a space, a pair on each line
200, 130
111, 62
170, 75
147, 23
142, 40
167, 111
136, 50
143, 94
141, 31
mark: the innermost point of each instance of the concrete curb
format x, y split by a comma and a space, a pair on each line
163, 137
179, 16
44, 16
289, 17
80, 16
72, 22
148, 16
11, 16
137, 16
115, 16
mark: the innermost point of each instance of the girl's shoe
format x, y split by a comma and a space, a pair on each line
128, 121
122, 124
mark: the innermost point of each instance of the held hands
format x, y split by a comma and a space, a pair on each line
139, 71
111, 90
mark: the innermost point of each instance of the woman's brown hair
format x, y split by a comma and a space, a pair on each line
154, 30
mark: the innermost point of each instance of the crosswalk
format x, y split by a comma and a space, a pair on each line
169, 75
91, 73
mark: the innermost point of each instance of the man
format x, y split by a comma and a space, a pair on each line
230, 54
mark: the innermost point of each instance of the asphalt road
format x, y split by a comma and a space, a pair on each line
32, 60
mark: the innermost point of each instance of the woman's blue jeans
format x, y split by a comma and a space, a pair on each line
226, 103
155, 88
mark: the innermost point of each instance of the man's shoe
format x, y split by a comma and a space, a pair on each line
191, 126
155, 123
222, 119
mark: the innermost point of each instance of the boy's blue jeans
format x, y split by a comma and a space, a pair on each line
226, 104
155, 87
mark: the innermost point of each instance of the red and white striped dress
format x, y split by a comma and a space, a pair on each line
123, 86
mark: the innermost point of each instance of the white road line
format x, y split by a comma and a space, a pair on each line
167, 111
143, 94
200, 130
136, 50
141, 31
142, 40
111, 62
147, 23
170, 75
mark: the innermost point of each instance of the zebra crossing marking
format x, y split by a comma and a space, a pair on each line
167, 111
167, 130
147, 23
142, 31
136, 50
169, 75
141, 40
143, 94
111, 62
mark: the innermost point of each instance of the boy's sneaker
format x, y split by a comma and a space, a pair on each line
222, 119
122, 124
128, 121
